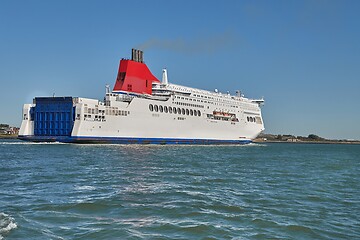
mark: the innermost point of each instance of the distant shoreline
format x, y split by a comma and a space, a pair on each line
311, 139
307, 142
8, 136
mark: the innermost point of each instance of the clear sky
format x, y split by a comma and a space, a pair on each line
303, 57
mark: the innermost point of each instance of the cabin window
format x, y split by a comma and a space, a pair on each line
170, 109
179, 111
191, 112
199, 113
183, 111
187, 111
161, 108
156, 108
174, 110
195, 112
165, 109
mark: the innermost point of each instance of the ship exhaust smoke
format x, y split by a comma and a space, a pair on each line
199, 45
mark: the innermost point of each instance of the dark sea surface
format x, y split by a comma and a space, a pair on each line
257, 191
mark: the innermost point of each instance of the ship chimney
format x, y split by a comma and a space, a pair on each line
141, 56
133, 54
164, 77
137, 55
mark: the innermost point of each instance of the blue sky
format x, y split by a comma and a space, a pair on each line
303, 57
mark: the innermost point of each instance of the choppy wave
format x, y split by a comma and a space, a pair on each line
7, 223
81, 188
179, 192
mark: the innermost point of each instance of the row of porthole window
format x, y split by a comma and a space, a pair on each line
174, 110
251, 119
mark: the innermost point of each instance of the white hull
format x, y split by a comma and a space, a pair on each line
135, 120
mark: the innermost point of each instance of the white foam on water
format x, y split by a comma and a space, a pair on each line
257, 144
50, 234
84, 188
7, 223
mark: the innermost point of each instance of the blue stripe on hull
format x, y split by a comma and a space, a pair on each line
123, 140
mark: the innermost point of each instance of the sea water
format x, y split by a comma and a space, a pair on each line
256, 191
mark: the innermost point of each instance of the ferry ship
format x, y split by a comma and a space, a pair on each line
142, 109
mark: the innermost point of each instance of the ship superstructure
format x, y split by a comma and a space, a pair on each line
142, 109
